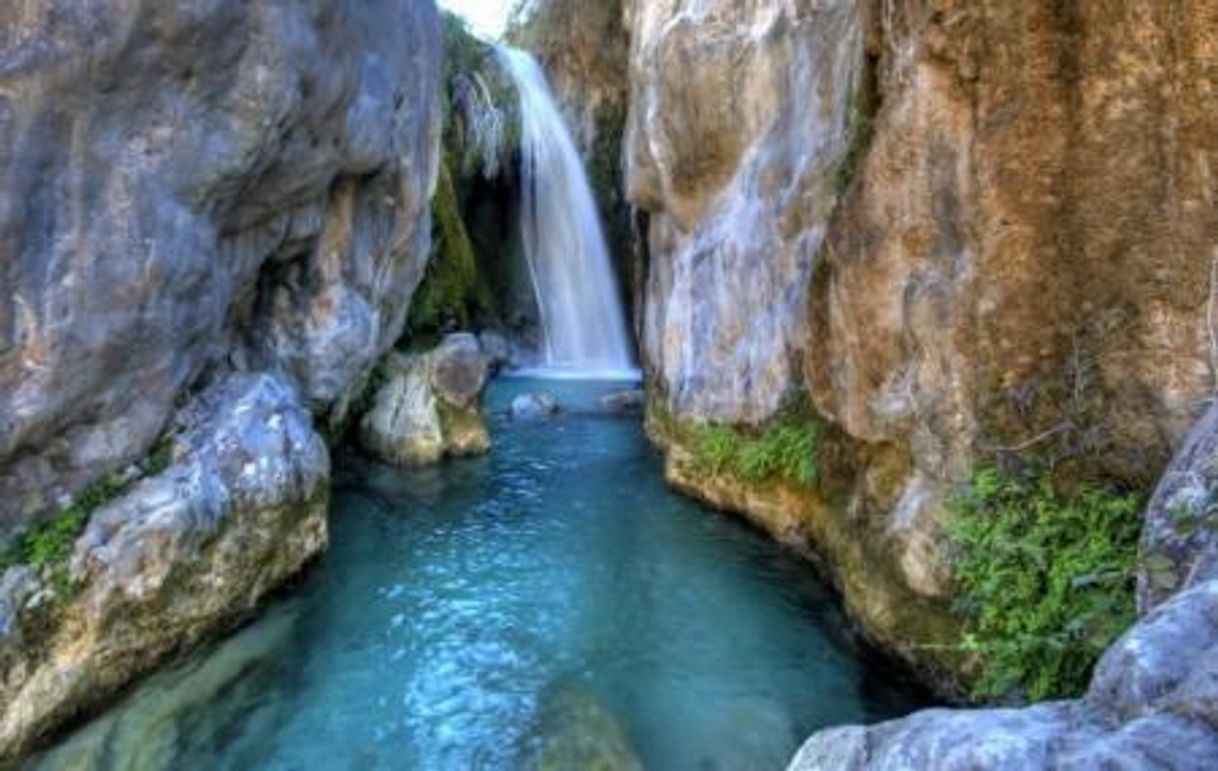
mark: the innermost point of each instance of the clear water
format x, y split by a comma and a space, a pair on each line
583, 324
551, 605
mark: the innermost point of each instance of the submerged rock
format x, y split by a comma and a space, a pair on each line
536, 406
145, 733
629, 402
430, 405
181, 555
575, 730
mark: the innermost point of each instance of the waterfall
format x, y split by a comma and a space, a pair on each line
583, 325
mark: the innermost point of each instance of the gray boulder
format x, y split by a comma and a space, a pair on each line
1179, 544
179, 556
534, 406
496, 348
459, 370
430, 406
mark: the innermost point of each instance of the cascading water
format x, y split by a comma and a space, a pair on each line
583, 325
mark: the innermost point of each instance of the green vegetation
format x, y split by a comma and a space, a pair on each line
49, 545
451, 291
1046, 580
481, 122
785, 450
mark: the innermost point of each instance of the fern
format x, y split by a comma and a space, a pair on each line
1046, 581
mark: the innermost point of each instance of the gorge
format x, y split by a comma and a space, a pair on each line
922, 291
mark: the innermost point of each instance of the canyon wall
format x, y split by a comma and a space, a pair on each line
739, 179
240, 185
967, 233
213, 217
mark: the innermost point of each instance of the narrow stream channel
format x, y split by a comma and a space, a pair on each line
552, 605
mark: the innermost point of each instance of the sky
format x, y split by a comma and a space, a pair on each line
486, 17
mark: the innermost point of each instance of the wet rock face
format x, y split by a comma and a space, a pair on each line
739, 181
185, 185
181, 554
583, 47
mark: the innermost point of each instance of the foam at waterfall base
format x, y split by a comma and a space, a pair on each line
588, 374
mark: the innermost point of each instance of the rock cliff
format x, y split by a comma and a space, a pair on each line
212, 220
970, 234
239, 185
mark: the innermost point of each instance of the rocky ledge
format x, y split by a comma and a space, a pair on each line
181, 554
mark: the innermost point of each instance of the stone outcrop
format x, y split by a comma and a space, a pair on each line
185, 187
429, 406
1021, 266
179, 556
1180, 534
1153, 700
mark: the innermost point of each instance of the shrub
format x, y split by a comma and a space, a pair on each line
786, 450
1045, 581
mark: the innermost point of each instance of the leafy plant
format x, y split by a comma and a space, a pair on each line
1046, 580
49, 546
787, 450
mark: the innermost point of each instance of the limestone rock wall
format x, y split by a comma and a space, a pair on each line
189, 186
974, 233
1023, 262
739, 179
1152, 700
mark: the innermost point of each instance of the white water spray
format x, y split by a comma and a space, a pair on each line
583, 325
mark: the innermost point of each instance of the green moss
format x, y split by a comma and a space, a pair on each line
450, 288
786, 449
1046, 580
49, 546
